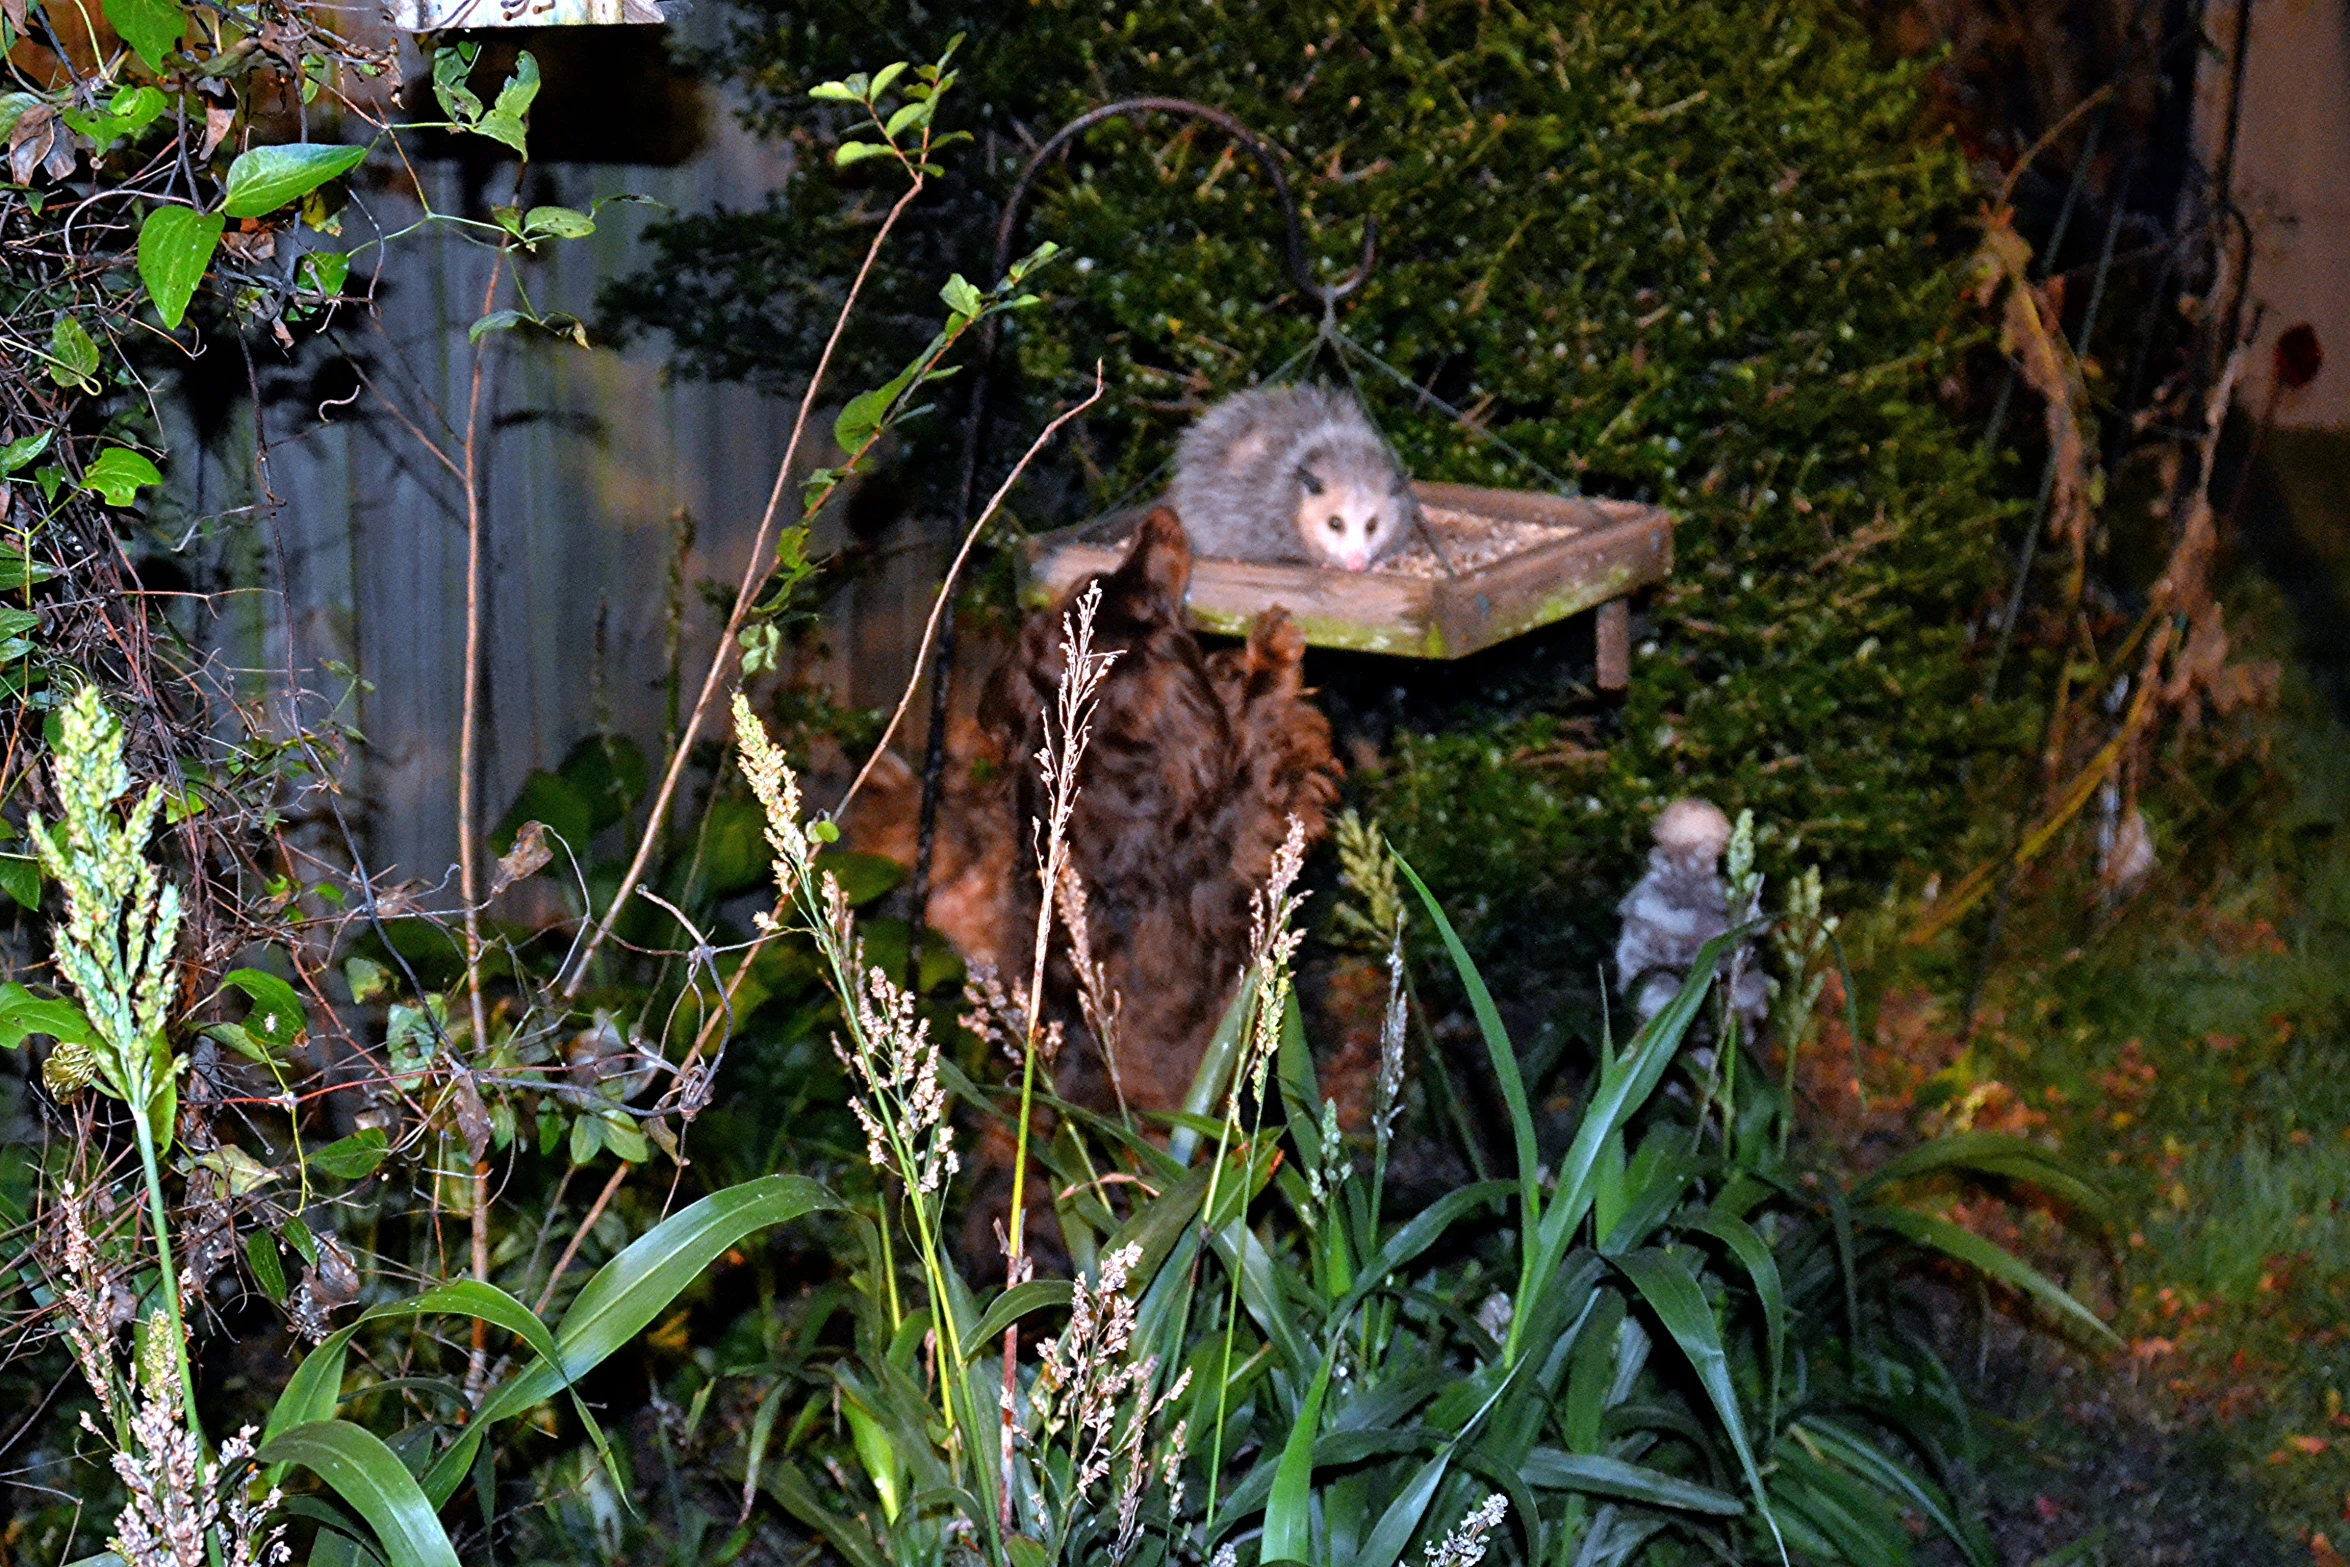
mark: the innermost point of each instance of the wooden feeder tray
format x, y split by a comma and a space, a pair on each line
1512, 560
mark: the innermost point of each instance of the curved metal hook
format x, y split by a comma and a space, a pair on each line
1016, 203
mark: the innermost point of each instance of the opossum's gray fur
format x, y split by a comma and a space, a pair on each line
1680, 905
1241, 477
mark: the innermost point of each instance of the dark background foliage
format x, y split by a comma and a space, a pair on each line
1705, 254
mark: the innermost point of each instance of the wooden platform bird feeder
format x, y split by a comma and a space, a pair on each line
1499, 564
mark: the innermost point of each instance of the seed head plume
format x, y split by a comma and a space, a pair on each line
1272, 942
1465, 1546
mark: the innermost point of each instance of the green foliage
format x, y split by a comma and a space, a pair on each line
175, 248
1361, 1389
1696, 252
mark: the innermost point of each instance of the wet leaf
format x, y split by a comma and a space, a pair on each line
119, 474
354, 1157
266, 178
73, 356
151, 27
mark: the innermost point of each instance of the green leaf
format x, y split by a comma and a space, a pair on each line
883, 77
1548, 1469
325, 271
152, 27
1754, 1254
916, 113
1289, 1534
1992, 1153
962, 296
73, 355
495, 321
1401, 1518
353, 1158
1665, 1281
277, 1017
451, 65
368, 980
119, 474
1497, 1046
507, 120
370, 1477
23, 450
1012, 1305
268, 1272
266, 178
626, 1294
558, 223
862, 419
623, 1138
862, 877
23, 1013
586, 1138
521, 89
1864, 1459
791, 1490
20, 571
849, 152
20, 878
1967, 1247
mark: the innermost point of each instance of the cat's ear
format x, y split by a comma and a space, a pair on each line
1160, 559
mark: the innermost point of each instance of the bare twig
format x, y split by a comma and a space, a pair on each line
468, 861
587, 1222
718, 1018
755, 574
946, 589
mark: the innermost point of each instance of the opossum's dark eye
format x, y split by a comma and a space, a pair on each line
1338, 525
1313, 486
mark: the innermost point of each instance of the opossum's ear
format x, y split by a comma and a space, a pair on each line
1159, 560
1307, 481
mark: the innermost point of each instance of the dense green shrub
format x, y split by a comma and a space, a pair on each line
1702, 252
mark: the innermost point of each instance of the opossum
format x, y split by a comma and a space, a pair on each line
1292, 473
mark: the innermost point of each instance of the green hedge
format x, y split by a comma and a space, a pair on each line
1702, 252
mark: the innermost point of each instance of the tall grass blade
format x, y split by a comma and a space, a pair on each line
368, 1475
1497, 1046
1401, 1520
1548, 1469
1672, 1292
1993, 1153
796, 1496
1966, 1246
1289, 1534
1864, 1459
1010, 1307
1762, 1269
625, 1295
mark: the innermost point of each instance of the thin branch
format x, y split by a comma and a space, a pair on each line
946, 589
468, 859
755, 574
586, 1223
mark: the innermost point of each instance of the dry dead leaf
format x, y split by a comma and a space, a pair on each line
217, 120
526, 859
